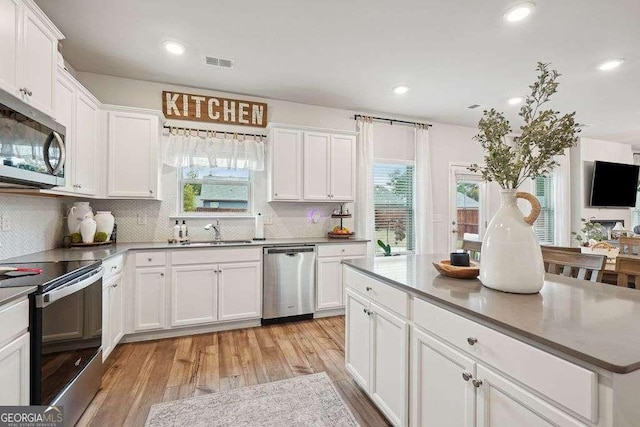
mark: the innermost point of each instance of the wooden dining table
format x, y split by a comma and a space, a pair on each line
610, 275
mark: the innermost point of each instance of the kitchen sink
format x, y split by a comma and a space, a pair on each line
217, 243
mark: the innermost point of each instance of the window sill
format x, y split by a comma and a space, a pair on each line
196, 216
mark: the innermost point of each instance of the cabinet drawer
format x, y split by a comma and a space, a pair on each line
150, 259
14, 319
346, 250
379, 292
532, 367
112, 267
208, 256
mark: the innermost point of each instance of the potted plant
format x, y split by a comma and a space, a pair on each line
511, 255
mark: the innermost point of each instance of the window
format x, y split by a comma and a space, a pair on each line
394, 206
545, 225
211, 190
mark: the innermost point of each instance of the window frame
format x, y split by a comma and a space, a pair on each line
398, 162
180, 182
553, 185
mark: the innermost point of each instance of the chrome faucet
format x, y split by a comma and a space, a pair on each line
216, 229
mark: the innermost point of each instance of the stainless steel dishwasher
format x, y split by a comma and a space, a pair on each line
289, 283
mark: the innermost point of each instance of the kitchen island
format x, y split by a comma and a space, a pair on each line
569, 355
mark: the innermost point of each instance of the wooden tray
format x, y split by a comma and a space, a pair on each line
80, 245
445, 268
340, 236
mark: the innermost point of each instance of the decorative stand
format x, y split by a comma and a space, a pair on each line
339, 233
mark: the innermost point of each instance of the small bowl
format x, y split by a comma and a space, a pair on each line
445, 268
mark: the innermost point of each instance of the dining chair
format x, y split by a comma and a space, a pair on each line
628, 267
629, 245
572, 264
473, 248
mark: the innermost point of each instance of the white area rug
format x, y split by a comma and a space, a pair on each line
309, 400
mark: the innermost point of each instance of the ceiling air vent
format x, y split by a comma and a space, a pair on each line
473, 106
218, 62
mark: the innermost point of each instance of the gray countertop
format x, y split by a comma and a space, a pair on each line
593, 322
105, 252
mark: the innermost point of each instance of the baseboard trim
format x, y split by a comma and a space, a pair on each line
189, 330
329, 313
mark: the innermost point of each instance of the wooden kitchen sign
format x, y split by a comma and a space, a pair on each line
201, 108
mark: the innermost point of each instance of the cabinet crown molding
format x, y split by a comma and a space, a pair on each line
44, 18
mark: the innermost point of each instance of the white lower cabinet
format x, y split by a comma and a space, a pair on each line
194, 294
377, 354
329, 279
240, 290
440, 396
112, 314
14, 372
149, 299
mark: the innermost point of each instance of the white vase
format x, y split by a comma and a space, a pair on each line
88, 228
511, 259
76, 214
105, 221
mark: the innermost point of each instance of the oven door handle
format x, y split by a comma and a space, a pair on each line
70, 288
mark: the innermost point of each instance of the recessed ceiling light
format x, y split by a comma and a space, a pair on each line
514, 101
401, 89
519, 12
610, 64
174, 48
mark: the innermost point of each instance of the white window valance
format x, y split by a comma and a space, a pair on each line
209, 149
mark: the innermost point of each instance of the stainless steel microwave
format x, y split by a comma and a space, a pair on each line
32, 149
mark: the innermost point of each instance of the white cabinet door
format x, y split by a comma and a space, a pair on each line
65, 114
116, 311
358, 339
10, 25
240, 290
316, 166
133, 160
343, 167
502, 403
85, 141
149, 299
441, 390
14, 372
106, 335
38, 63
329, 283
389, 364
286, 164
194, 294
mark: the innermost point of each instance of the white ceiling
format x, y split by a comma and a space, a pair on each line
351, 53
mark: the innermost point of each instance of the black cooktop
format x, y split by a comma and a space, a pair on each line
53, 274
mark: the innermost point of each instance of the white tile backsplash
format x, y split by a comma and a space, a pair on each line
36, 224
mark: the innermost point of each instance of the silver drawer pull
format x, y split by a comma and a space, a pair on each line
369, 288
472, 340
476, 383
466, 376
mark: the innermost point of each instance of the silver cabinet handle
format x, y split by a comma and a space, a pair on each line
149, 259
161, 274
369, 288
115, 285
476, 383
150, 191
367, 312
472, 340
466, 376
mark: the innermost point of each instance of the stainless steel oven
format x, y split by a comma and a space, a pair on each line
32, 150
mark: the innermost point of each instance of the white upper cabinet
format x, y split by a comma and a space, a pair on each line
29, 51
316, 185
285, 152
10, 25
343, 168
310, 165
78, 111
133, 159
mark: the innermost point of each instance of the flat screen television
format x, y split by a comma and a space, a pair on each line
614, 185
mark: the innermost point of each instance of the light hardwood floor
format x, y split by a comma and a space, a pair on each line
138, 375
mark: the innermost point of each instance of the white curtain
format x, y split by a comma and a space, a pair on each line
211, 149
563, 200
365, 213
424, 197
